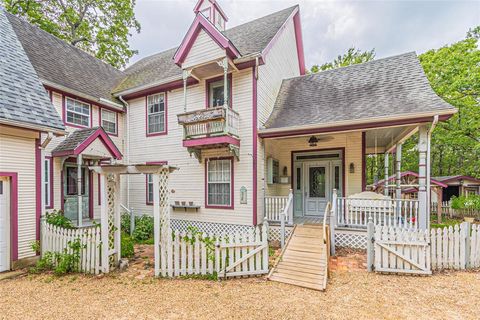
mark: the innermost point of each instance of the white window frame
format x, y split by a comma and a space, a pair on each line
47, 183
230, 183
106, 111
164, 112
67, 99
149, 185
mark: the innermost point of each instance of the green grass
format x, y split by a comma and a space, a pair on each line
446, 221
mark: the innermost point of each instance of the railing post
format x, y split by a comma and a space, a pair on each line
370, 244
290, 208
132, 221
333, 222
282, 229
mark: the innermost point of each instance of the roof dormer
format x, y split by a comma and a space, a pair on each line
211, 10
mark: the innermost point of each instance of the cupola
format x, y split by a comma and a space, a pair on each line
213, 12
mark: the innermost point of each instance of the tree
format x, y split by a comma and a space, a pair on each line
99, 27
454, 74
352, 56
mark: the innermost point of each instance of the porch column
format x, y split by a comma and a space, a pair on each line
185, 75
422, 180
79, 190
398, 171
385, 189
224, 65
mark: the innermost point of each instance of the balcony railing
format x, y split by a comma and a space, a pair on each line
209, 122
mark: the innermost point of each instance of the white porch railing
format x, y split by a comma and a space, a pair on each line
390, 212
275, 205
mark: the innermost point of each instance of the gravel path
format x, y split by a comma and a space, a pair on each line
357, 294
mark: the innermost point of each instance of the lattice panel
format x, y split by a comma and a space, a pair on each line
274, 233
209, 227
351, 240
164, 204
111, 192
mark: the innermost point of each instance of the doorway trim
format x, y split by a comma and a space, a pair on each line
292, 165
13, 214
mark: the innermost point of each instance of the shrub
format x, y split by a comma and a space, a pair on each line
61, 263
471, 202
57, 218
143, 228
125, 223
127, 250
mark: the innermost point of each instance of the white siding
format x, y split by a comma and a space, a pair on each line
17, 154
188, 182
204, 49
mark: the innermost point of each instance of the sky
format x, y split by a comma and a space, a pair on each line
329, 27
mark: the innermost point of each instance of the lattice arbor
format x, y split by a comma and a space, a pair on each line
110, 210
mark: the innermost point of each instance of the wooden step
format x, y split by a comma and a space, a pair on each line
300, 283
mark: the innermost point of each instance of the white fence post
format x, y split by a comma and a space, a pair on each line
370, 244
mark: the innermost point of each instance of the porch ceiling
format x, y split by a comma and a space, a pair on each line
384, 139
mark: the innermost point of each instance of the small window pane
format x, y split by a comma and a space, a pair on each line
1, 187
156, 113
109, 121
317, 182
149, 188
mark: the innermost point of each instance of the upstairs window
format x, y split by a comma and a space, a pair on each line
109, 121
77, 112
156, 115
219, 183
216, 93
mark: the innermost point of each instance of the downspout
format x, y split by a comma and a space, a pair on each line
127, 144
429, 137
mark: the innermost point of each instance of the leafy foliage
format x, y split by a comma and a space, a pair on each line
352, 56
471, 202
127, 249
143, 232
100, 27
62, 263
57, 218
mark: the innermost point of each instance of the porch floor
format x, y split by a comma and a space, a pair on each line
308, 220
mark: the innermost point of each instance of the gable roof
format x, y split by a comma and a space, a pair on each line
23, 99
248, 38
379, 89
446, 179
62, 64
78, 140
410, 174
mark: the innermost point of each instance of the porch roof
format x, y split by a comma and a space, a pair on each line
78, 141
377, 91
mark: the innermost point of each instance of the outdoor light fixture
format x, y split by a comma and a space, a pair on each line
352, 167
312, 142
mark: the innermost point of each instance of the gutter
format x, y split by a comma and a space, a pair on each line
147, 86
127, 144
32, 126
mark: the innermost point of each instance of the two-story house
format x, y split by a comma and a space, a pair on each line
234, 111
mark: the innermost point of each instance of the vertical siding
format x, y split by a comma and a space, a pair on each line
203, 50
17, 154
280, 62
187, 183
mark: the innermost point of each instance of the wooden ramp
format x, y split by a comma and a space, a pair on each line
304, 260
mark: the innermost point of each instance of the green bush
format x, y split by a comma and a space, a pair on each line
61, 263
57, 218
127, 250
125, 223
143, 228
471, 202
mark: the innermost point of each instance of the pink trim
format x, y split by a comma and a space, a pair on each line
210, 141
196, 9
299, 40
38, 187
199, 23
64, 112
62, 196
288, 132
100, 121
104, 138
461, 178
232, 185
165, 102
255, 146
410, 173
176, 84
207, 89
364, 161
51, 183
90, 194
88, 101
13, 213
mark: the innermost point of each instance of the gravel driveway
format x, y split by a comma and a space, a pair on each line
356, 294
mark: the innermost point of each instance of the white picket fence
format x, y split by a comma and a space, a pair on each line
401, 250
226, 255
447, 210
56, 239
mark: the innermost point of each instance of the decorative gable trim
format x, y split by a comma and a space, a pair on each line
198, 24
214, 4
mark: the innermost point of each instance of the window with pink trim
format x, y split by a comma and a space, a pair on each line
109, 121
219, 182
156, 113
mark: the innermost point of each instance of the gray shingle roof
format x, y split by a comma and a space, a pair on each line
248, 38
386, 87
22, 96
75, 139
56, 61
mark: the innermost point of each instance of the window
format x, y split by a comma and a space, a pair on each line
72, 181
47, 183
149, 189
215, 93
1, 187
77, 112
219, 182
219, 22
206, 13
109, 121
156, 113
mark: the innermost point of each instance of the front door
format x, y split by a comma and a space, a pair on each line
317, 186
70, 193
4, 224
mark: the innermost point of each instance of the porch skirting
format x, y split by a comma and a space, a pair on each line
356, 239
209, 227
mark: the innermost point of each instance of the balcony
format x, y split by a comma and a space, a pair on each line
209, 129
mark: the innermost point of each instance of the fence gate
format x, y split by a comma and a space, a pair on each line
398, 250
